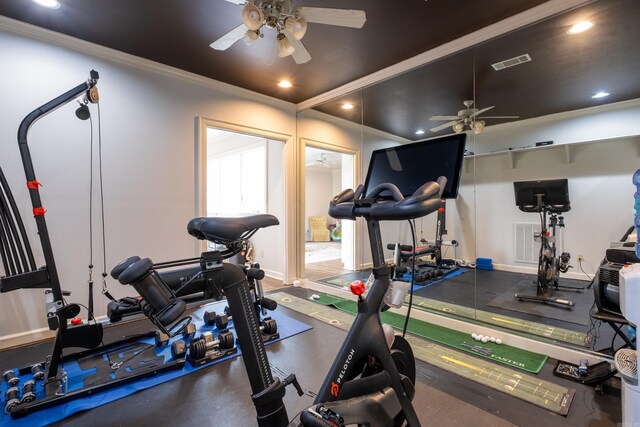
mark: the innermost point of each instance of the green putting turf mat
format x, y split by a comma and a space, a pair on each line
505, 354
540, 329
524, 386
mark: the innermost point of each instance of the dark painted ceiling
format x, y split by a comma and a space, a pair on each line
178, 33
565, 71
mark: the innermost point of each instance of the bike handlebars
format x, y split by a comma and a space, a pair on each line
425, 200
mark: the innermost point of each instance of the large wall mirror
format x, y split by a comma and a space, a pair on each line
540, 103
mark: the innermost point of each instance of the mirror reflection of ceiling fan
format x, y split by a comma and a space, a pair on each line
467, 118
320, 161
290, 24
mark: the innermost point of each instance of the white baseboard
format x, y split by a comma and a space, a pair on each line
273, 274
27, 337
534, 271
33, 336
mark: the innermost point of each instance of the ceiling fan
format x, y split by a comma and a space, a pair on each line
322, 160
289, 22
468, 117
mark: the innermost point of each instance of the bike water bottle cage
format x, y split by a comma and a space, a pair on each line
425, 200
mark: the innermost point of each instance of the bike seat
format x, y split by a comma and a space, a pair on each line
223, 230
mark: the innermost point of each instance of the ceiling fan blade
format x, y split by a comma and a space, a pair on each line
237, 1
499, 117
477, 113
225, 42
300, 54
443, 126
342, 17
443, 117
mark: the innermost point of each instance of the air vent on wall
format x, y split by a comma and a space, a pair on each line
526, 248
521, 59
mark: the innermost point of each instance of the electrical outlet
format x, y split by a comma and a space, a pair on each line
580, 257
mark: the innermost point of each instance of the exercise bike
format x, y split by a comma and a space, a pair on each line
551, 197
371, 381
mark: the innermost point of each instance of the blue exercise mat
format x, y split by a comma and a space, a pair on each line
287, 327
454, 273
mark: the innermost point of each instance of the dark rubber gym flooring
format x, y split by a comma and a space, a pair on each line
478, 288
219, 395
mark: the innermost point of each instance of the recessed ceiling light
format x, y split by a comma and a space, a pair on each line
580, 27
347, 106
51, 4
285, 84
419, 132
600, 95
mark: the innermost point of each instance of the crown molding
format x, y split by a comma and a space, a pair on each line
32, 31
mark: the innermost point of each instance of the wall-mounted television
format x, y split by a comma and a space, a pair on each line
411, 165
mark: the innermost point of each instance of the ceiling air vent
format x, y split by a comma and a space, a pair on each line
511, 62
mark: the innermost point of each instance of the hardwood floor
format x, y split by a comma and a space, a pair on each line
321, 270
314, 271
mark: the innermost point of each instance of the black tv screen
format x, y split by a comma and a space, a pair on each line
555, 192
411, 165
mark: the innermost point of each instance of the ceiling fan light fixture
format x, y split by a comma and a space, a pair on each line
478, 126
458, 127
297, 27
284, 46
252, 16
250, 36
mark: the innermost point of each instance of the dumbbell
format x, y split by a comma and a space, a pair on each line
199, 347
178, 349
28, 392
11, 378
162, 338
12, 398
221, 321
268, 326
38, 372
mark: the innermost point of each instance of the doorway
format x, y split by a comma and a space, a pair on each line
242, 174
329, 242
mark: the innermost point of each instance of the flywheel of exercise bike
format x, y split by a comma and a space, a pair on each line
402, 356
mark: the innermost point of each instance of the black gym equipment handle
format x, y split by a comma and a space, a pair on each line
425, 200
89, 87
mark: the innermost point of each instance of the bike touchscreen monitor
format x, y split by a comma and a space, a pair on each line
555, 192
409, 166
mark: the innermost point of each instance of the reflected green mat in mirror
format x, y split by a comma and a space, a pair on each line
547, 331
505, 354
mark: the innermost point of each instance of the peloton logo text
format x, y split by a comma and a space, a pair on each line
335, 386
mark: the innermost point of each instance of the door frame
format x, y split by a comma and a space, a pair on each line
289, 160
300, 213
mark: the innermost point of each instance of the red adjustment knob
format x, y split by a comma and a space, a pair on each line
357, 287
76, 321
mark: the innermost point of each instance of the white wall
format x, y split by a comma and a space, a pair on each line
319, 189
600, 190
148, 143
